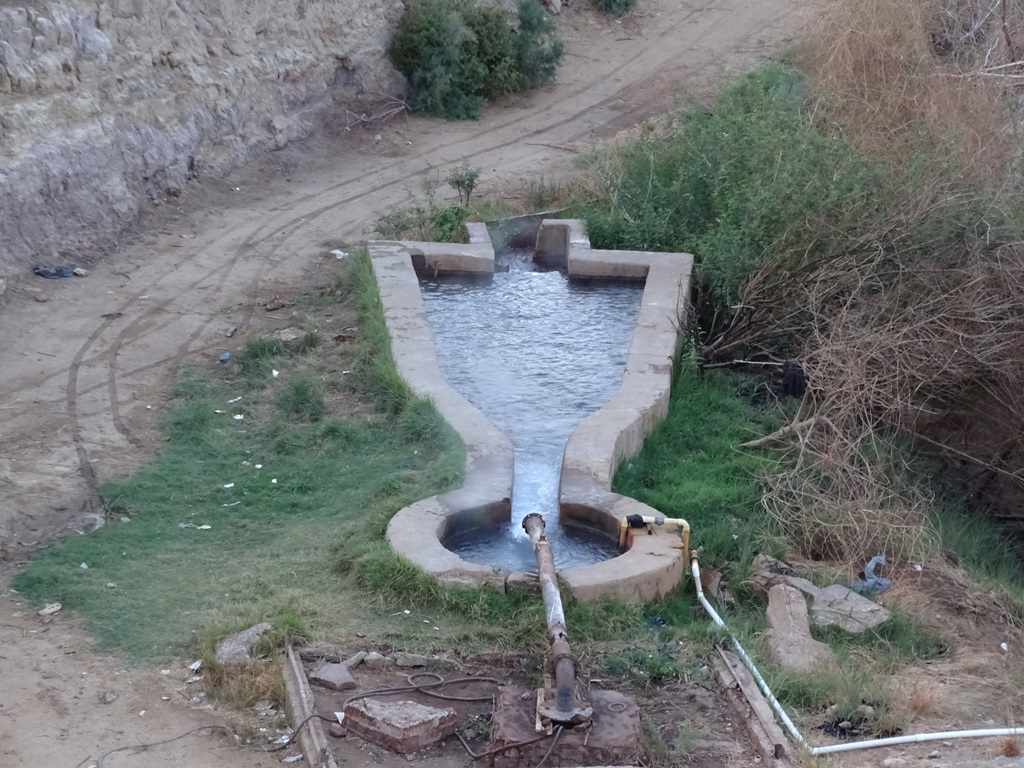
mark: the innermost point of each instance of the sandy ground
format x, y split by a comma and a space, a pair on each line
83, 359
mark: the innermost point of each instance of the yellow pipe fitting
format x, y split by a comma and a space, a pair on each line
676, 522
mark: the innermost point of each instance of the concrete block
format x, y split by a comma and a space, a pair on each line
615, 740
401, 726
334, 676
237, 648
789, 639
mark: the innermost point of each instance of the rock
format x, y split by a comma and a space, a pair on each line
23, 78
411, 660
789, 639
402, 726
934, 755
80, 272
375, 660
338, 731
355, 660
286, 335
894, 762
321, 652
237, 648
862, 713
845, 608
334, 676
41, 298
836, 604
108, 697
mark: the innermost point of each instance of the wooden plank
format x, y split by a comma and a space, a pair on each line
300, 705
741, 690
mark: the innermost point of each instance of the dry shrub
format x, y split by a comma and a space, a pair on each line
931, 352
244, 685
909, 323
842, 502
1010, 747
920, 699
904, 75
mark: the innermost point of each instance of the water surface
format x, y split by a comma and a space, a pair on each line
536, 353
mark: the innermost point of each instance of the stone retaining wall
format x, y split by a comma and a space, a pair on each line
107, 105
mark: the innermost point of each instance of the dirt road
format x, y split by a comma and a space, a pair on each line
84, 359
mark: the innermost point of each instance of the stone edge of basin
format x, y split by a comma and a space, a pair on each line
416, 531
654, 564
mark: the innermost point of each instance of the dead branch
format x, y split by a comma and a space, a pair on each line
780, 434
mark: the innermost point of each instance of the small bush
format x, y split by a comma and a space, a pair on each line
458, 54
614, 7
303, 399
257, 355
430, 221
463, 180
538, 50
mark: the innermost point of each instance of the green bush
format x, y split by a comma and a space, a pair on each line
459, 54
614, 7
538, 50
733, 186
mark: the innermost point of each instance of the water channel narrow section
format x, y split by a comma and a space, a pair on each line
536, 352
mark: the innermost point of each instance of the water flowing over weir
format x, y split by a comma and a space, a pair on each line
536, 352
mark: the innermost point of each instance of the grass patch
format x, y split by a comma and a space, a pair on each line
900, 640
298, 475
431, 220
302, 399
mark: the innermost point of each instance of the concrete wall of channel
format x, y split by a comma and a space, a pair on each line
654, 563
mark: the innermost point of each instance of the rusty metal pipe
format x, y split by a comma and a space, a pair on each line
564, 665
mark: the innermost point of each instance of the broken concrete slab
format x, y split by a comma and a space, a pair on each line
375, 660
835, 604
846, 609
287, 335
334, 676
411, 660
237, 648
321, 652
354, 660
401, 726
789, 639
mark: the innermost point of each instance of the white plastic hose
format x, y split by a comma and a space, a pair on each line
788, 723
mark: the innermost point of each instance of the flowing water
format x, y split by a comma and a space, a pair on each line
536, 353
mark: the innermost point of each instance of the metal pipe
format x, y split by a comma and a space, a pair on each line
564, 665
639, 521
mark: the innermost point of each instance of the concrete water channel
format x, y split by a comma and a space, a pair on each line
597, 393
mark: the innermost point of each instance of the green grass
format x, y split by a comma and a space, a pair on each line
984, 551
303, 399
268, 548
899, 640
